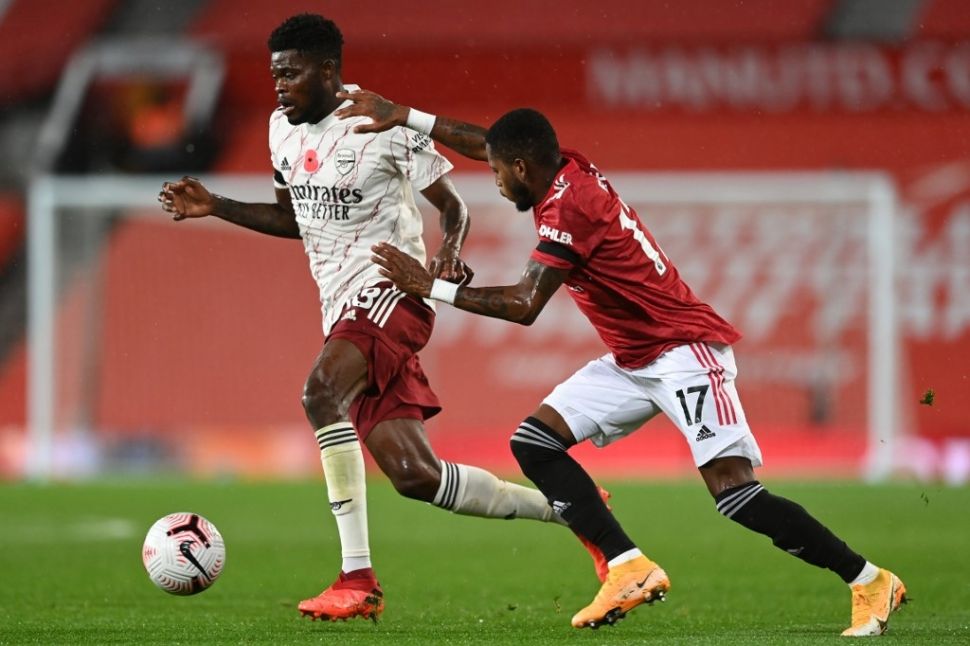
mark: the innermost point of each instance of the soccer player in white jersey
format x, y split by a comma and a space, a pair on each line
341, 192
669, 352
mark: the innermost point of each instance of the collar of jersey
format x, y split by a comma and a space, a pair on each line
329, 120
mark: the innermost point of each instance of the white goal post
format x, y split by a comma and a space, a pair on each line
873, 193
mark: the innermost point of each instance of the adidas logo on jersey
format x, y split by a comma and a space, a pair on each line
560, 187
285, 165
704, 434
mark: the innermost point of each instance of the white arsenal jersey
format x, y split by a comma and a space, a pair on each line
351, 191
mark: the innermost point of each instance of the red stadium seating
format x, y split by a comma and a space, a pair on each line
12, 224
515, 23
945, 19
472, 61
37, 37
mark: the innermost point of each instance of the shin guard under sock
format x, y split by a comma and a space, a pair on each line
568, 488
790, 528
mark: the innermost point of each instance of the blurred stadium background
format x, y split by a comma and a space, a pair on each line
784, 152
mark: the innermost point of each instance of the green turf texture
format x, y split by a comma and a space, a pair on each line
71, 572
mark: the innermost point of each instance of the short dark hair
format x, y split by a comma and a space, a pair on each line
308, 33
524, 134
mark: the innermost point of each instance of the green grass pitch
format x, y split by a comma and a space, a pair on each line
71, 572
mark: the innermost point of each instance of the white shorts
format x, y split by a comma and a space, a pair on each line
692, 384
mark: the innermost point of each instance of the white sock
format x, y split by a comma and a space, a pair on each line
625, 557
343, 468
868, 575
475, 492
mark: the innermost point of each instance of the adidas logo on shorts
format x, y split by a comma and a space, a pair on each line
559, 506
704, 434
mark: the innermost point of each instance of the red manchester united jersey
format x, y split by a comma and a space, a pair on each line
620, 279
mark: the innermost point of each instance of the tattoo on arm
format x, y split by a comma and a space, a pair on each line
517, 303
465, 138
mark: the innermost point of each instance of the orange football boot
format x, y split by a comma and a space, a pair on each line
354, 594
627, 586
872, 604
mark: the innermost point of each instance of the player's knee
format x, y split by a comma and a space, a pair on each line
534, 443
726, 473
534, 446
320, 400
415, 480
521, 451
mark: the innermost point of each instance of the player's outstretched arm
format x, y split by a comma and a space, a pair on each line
464, 138
189, 198
520, 303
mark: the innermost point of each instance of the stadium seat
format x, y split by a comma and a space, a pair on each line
12, 225
944, 19
574, 21
29, 32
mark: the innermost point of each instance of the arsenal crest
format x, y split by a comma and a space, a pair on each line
344, 160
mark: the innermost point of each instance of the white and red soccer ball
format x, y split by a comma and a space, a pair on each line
183, 553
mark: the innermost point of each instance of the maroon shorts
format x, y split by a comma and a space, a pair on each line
389, 328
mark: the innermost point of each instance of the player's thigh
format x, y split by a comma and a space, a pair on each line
388, 328
694, 386
338, 375
601, 402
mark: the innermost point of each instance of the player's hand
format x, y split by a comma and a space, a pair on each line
402, 270
446, 265
383, 113
186, 198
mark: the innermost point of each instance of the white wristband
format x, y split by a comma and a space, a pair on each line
420, 121
442, 290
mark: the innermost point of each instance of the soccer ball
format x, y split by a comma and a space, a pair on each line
183, 553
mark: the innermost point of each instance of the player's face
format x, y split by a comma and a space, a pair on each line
509, 185
302, 86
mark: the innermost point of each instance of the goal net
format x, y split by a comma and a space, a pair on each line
186, 344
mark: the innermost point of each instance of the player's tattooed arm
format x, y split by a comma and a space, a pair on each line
519, 303
189, 198
464, 138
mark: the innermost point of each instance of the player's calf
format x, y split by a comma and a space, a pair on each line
542, 456
790, 528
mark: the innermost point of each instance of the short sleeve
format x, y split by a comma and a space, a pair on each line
563, 232
279, 179
416, 157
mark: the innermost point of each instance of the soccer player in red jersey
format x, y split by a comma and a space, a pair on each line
669, 353
342, 192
